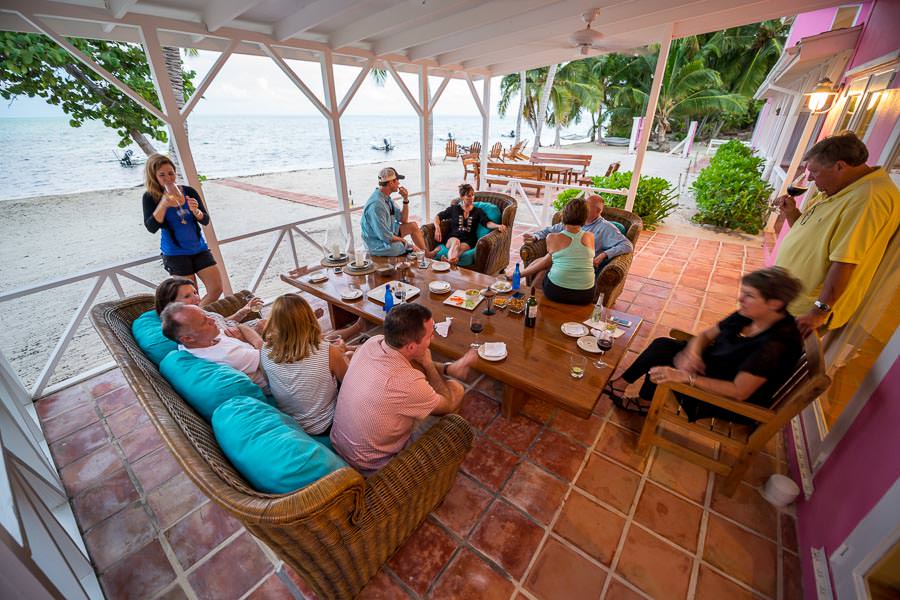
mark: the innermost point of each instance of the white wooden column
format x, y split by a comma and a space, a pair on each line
333, 116
664, 45
485, 125
176, 121
425, 142
784, 135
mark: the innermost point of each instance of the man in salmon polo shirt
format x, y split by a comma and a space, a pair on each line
391, 386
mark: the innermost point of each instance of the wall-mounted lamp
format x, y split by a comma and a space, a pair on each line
821, 99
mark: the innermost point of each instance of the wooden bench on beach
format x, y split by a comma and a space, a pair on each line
578, 162
500, 171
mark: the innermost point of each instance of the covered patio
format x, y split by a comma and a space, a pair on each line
546, 505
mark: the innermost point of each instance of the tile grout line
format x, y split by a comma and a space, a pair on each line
701, 535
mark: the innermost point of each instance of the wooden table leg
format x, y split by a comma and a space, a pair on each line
340, 318
513, 401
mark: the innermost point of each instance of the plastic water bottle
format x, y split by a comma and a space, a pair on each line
388, 299
516, 279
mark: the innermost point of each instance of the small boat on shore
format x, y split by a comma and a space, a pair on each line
385, 145
511, 134
128, 159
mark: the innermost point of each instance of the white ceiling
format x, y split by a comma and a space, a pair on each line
494, 37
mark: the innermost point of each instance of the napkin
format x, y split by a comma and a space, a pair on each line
443, 328
494, 349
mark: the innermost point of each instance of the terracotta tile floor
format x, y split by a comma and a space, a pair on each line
546, 506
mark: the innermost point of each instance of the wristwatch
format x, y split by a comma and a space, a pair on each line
406, 202
821, 306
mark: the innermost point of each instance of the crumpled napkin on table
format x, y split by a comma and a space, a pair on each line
443, 328
493, 349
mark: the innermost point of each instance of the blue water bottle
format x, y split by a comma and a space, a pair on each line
516, 279
388, 299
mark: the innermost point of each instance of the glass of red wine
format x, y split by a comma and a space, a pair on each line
793, 191
476, 326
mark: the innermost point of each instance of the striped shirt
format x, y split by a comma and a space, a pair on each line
382, 399
305, 389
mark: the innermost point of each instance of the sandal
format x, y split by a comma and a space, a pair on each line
623, 402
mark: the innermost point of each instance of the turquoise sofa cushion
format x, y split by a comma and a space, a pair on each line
204, 384
147, 332
269, 448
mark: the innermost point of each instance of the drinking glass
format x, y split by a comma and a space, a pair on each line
489, 296
476, 326
334, 339
400, 293
577, 365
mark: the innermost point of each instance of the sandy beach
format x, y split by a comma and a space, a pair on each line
52, 237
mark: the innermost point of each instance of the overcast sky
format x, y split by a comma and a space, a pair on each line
253, 85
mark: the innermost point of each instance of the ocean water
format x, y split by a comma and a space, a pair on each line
44, 156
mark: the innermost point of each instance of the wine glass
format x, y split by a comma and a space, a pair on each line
173, 193
489, 296
476, 326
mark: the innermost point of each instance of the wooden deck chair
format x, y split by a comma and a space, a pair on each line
520, 153
496, 151
614, 167
470, 166
450, 150
513, 151
475, 148
807, 383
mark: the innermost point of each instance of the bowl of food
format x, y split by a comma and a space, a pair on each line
501, 302
472, 293
516, 305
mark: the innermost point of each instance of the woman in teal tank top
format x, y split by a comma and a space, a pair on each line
569, 258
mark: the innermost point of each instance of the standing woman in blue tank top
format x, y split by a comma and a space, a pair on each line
178, 211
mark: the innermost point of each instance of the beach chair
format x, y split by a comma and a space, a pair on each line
496, 152
744, 442
475, 148
613, 168
470, 166
450, 150
513, 151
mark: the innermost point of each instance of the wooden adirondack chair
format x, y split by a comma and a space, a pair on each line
475, 148
806, 384
470, 167
496, 152
513, 151
450, 150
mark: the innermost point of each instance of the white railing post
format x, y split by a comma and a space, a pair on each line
647, 128
333, 117
176, 122
485, 124
425, 141
635, 133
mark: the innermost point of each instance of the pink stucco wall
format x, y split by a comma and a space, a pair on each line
879, 36
811, 23
855, 477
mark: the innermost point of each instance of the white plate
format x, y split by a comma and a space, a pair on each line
588, 343
439, 287
440, 266
501, 286
377, 294
317, 278
490, 358
351, 295
573, 329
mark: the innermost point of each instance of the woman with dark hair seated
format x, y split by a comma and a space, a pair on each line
746, 357
566, 272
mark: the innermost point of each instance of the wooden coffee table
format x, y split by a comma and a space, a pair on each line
538, 358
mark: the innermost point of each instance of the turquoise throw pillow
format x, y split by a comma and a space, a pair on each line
493, 214
619, 226
204, 384
147, 332
269, 448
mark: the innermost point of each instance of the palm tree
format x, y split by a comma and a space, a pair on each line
174, 68
744, 55
521, 106
542, 109
512, 85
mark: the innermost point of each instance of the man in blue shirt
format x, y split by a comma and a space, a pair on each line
384, 225
609, 242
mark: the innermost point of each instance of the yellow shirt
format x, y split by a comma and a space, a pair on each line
853, 226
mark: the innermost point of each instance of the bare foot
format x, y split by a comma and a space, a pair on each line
432, 253
459, 368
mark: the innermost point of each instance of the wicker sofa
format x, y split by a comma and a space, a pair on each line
335, 533
611, 280
492, 250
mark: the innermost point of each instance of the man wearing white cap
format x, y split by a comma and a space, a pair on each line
383, 224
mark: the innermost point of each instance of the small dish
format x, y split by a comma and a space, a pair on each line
317, 278
351, 294
439, 287
573, 329
501, 286
386, 271
439, 266
482, 354
588, 343
472, 292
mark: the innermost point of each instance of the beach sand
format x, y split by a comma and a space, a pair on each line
54, 237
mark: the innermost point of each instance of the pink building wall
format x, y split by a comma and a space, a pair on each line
861, 469
879, 36
811, 23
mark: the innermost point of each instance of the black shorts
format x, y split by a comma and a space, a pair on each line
187, 264
565, 295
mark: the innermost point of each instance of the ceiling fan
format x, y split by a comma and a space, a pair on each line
587, 39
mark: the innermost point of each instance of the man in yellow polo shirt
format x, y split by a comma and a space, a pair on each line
837, 242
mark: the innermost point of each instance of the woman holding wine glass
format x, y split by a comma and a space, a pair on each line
178, 211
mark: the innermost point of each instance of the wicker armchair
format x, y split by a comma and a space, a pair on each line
492, 251
335, 533
611, 280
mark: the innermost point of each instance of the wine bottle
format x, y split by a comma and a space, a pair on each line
531, 306
516, 279
388, 299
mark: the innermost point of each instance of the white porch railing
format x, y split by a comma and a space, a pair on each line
114, 273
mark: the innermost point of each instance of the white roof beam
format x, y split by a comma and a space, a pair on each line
314, 13
118, 8
218, 13
733, 16
455, 24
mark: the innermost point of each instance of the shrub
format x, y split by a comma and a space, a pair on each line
654, 202
731, 192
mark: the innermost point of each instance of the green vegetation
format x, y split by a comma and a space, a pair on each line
731, 192
34, 65
655, 199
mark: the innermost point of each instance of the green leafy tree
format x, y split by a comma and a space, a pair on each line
35, 66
